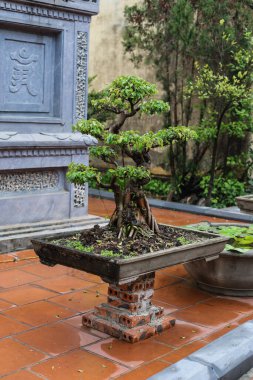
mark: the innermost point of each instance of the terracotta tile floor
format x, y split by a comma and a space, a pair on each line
41, 336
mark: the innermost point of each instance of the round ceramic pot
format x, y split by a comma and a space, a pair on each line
231, 274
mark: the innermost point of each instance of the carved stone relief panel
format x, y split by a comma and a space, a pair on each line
81, 74
25, 72
43, 11
28, 72
29, 181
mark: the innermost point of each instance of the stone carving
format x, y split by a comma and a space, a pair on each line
10, 153
23, 70
81, 74
80, 198
42, 12
7, 135
29, 181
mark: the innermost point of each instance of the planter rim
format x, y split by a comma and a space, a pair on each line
248, 197
146, 256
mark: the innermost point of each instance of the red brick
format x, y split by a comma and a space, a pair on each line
129, 314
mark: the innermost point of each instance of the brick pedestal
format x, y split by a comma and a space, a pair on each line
129, 313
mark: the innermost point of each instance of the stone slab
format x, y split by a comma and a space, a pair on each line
230, 355
186, 370
227, 358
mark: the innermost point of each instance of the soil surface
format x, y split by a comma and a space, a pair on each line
104, 241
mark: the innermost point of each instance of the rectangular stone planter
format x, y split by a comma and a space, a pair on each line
121, 270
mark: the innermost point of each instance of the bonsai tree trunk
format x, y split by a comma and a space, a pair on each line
132, 213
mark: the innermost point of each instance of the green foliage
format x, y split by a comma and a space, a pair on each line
158, 187
125, 93
90, 127
207, 46
126, 176
224, 191
93, 96
80, 174
76, 244
103, 152
125, 97
242, 236
242, 165
226, 93
155, 187
153, 107
218, 86
183, 241
109, 254
133, 140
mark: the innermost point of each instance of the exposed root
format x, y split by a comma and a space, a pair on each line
133, 217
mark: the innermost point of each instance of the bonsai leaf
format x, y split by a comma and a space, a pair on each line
130, 175
152, 107
104, 152
125, 93
174, 134
81, 174
90, 127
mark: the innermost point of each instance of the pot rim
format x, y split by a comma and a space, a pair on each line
247, 197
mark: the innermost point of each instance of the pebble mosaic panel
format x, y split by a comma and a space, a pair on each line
80, 197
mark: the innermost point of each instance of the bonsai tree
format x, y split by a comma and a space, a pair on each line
126, 151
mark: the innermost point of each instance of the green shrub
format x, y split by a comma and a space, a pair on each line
158, 187
224, 192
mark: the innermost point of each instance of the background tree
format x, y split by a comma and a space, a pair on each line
172, 36
125, 97
226, 96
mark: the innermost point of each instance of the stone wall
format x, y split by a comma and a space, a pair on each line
107, 59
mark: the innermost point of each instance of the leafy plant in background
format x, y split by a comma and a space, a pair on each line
224, 94
242, 166
224, 190
125, 97
172, 36
157, 187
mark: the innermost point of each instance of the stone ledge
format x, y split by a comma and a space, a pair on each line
18, 237
34, 140
78, 6
227, 358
